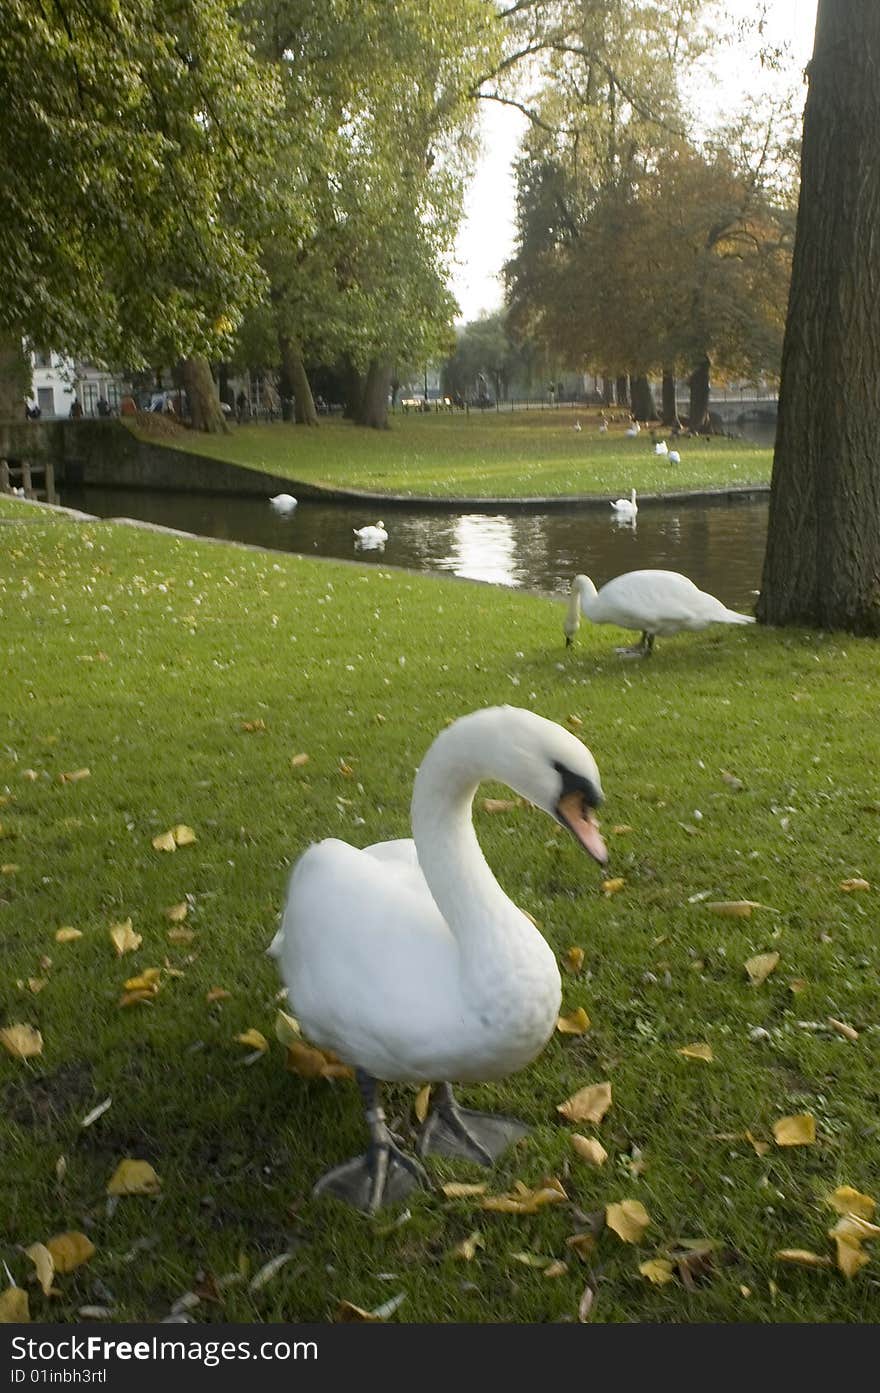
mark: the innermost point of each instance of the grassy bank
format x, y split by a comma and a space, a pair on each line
738, 765
507, 455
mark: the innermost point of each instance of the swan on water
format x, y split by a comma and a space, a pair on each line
626, 507
408, 960
371, 535
283, 502
652, 602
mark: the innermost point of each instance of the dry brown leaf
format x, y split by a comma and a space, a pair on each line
843, 1029
698, 1050
850, 1258
584, 1244
734, 909
628, 1219
21, 1041
731, 780
44, 1263
466, 1250
254, 1039
798, 1130
801, 1257
657, 1270
846, 1200
217, 994
613, 887
461, 1189
287, 1031
585, 1305
589, 1104
70, 1250
346, 1312
36, 984
74, 776
422, 1102
67, 934
760, 1147
177, 912
557, 1268
133, 1177
124, 938
181, 935
575, 1023
498, 805
138, 998
573, 959
760, 967
857, 884
798, 985
258, 725
590, 1150
298, 761
14, 1307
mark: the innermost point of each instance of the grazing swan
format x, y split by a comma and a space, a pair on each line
674, 456
371, 536
603, 427
408, 960
627, 507
661, 448
634, 429
283, 502
655, 602
577, 425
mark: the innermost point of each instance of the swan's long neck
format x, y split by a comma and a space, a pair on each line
487, 925
583, 593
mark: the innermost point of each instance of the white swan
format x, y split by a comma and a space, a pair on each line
371, 536
603, 427
627, 507
283, 502
661, 448
408, 960
634, 429
654, 602
674, 457
578, 426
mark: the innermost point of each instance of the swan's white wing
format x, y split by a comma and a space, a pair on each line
370, 964
661, 602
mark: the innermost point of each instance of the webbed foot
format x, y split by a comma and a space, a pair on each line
451, 1130
384, 1175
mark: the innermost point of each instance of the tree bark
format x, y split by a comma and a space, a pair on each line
354, 390
607, 389
15, 378
373, 410
296, 382
822, 565
669, 405
622, 390
204, 405
698, 419
644, 408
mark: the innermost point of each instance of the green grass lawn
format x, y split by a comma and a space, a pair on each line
139, 657
510, 455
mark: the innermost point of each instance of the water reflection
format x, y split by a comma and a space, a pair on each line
720, 546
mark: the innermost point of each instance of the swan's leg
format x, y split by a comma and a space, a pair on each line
643, 649
384, 1174
451, 1130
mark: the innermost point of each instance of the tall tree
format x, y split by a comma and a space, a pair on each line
129, 177
822, 565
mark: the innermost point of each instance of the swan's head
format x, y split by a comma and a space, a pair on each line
545, 764
582, 588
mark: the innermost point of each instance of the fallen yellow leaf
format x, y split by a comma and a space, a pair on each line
21, 1041
164, 841
217, 994
346, 1312
698, 1050
147, 981
575, 1023
612, 887
74, 776
312, 1063
9, 868
298, 761
498, 805
620, 829
628, 1220
177, 912
760, 1147
801, 1257
522, 1200
44, 1263
124, 938
850, 1258
857, 884
254, 1039
67, 934
461, 1189
14, 1307
557, 1268
735, 909
420, 1106
252, 726
853, 1227
846, 1200
589, 1104
843, 1029
657, 1270
183, 835
70, 1250
181, 935
133, 1177
36, 984
589, 1150
798, 985
799, 1130
760, 967
137, 998
467, 1248
287, 1031
573, 959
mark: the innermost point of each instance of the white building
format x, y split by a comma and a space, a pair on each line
56, 381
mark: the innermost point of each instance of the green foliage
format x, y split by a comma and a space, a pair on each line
132, 172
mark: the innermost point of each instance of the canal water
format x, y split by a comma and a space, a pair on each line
719, 545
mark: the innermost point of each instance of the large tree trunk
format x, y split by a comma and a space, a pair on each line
296, 383
374, 402
204, 405
622, 390
354, 390
822, 565
15, 378
698, 419
644, 408
607, 389
669, 404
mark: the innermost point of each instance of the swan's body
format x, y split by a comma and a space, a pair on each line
651, 602
407, 959
626, 507
371, 536
634, 429
603, 427
577, 425
674, 456
283, 502
661, 448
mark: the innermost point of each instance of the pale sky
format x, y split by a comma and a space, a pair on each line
486, 238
